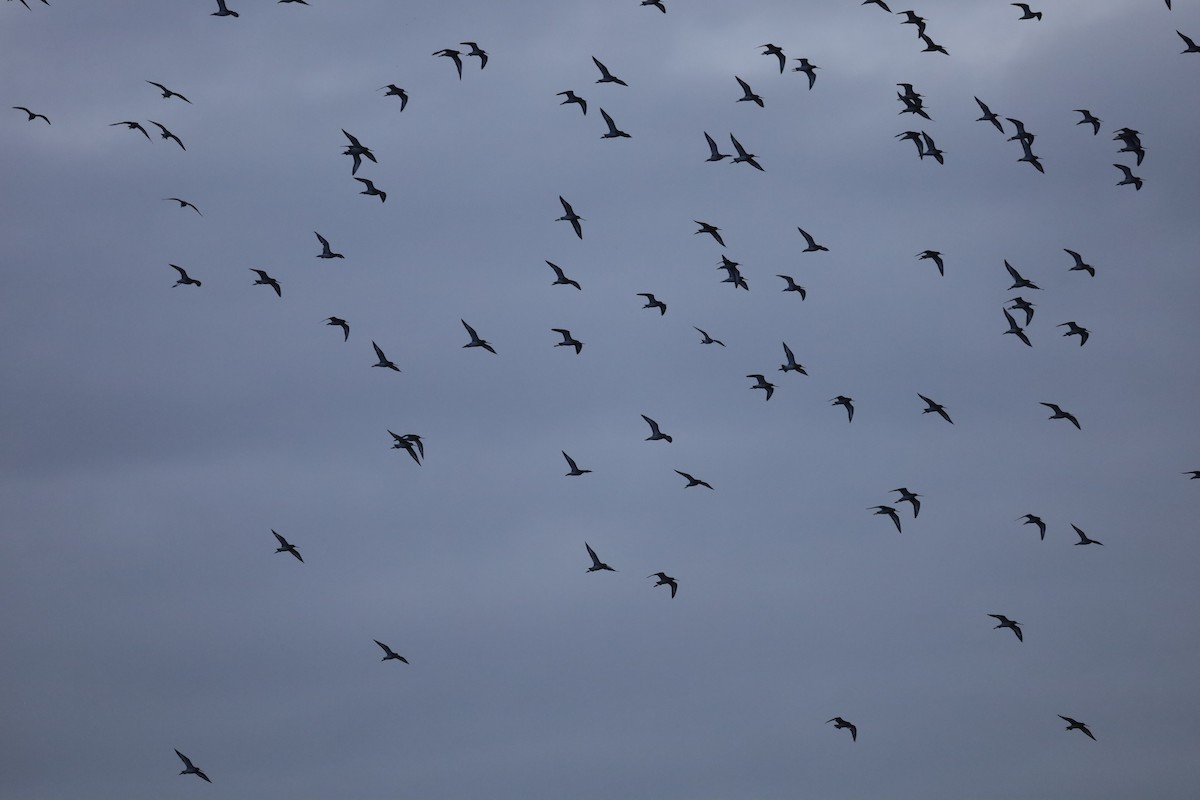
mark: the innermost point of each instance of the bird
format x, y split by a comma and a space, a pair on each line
383, 360
478, 53
1083, 537
1018, 281
568, 340
410, 442
808, 69
792, 286
32, 115
1021, 134
1016, 329
1021, 304
1192, 47
1005, 622
935, 407
1029, 156
839, 723
879, 3
184, 278
734, 274
605, 75
571, 217
339, 322
909, 497
711, 230
561, 278
301, 2
356, 150
911, 18
665, 580
1029, 14
184, 204
1033, 519
222, 11
933, 47
388, 653
371, 190
931, 149
287, 547
166, 134
325, 251
762, 383
988, 116
1089, 119
1195, 473
653, 302
656, 3
1060, 414
1129, 178
748, 93
133, 126
708, 339
842, 400
1133, 144
693, 480
655, 432
813, 247
189, 768
475, 340
1076, 725
1075, 330
915, 138
575, 471
936, 257
613, 131
743, 156
453, 55
573, 98
714, 153
266, 280
597, 564
891, 512
1079, 265
167, 93
774, 50
394, 91
791, 365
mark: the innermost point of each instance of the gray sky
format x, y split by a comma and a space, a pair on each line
154, 436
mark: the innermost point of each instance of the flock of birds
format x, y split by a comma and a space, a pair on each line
913, 103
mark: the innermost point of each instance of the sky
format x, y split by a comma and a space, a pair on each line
155, 435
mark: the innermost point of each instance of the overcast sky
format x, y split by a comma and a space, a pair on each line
155, 435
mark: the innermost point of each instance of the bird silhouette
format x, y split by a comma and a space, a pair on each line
1012, 625
575, 471
597, 564
573, 98
1083, 537
166, 134
933, 47
1021, 304
665, 580
266, 280
935, 407
1075, 330
655, 432
1130, 179
774, 50
453, 55
812, 247
934, 256
571, 217
711, 230
33, 116
879, 3
371, 190
477, 53
383, 360
605, 75
189, 768
708, 339
287, 547
842, 400
1060, 414
1033, 519
909, 497
653, 302
792, 286
1080, 266
223, 11
693, 480
395, 91
761, 383
1192, 47
911, 18
891, 512
790, 365
839, 723
931, 149
656, 3
1076, 725
613, 131
1089, 119
808, 69
184, 278
748, 93
988, 116
1016, 329
568, 340
341, 323
561, 278
133, 126
1028, 13
743, 156
475, 340
714, 153
1018, 281
410, 442
184, 204
388, 653
357, 151
167, 93
325, 251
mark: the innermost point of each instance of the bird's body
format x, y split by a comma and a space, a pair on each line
183, 203
326, 252
32, 115
475, 340
410, 442
184, 278
1080, 266
371, 190
708, 339
133, 126
388, 653
568, 340
1033, 519
774, 50
1083, 537
561, 278
341, 323
748, 93
1012, 625
790, 365
812, 247
933, 47
842, 400
936, 258
1130, 179
223, 11
1075, 330
573, 98
839, 723
909, 497
1021, 304
655, 432
666, 580
890, 512
1027, 12
395, 91
711, 230
1018, 281
1192, 47
761, 383
743, 156
988, 116
266, 280
167, 93
287, 547
653, 302
597, 564
570, 216
714, 153
1089, 119
693, 480
936, 408
575, 471
613, 131
357, 151
189, 768
166, 134
477, 53
453, 55
1076, 725
1016, 329
808, 69
605, 75
1060, 414
383, 360
792, 286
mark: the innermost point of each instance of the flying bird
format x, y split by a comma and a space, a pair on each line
879, 3
693, 480
410, 442
1195, 473
188, 767
475, 340
909, 497
743, 156
371, 190
571, 217
597, 564
1018, 281
575, 471
356, 150
839, 723
653, 302
911, 18
891, 512
605, 75
932, 406
1029, 14
222, 11
1192, 47
1089, 119
1060, 414
1130, 178
183, 203
1076, 725
1083, 537
665, 580
287, 547
792, 286
791, 365
808, 69
32, 115
388, 653
936, 257
1075, 330
710, 230
762, 383
655, 432
1080, 266
266, 280
133, 126
184, 278
656, 3
478, 53
748, 93
842, 400
325, 251
455, 56
1033, 519
341, 323
568, 340
613, 131
813, 247
561, 278
708, 339
1016, 329
714, 153
933, 47
166, 134
931, 149
773, 50
383, 360
395, 91
167, 93
573, 98
1005, 622
1021, 304
988, 116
